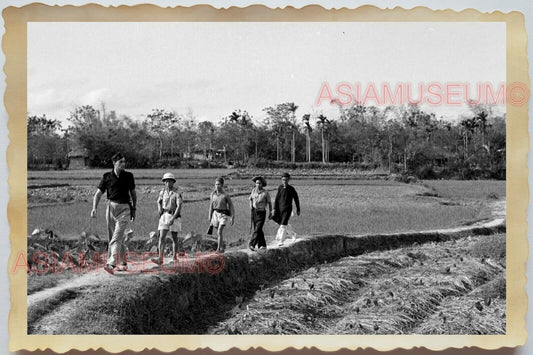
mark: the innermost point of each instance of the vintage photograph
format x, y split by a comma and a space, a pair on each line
209, 177
316, 178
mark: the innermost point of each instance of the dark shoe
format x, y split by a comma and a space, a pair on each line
251, 248
110, 269
123, 267
157, 261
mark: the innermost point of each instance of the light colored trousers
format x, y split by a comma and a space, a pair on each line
117, 218
284, 232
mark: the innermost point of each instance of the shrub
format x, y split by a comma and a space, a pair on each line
425, 172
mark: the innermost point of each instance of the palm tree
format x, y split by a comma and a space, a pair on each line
292, 109
468, 127
322, 121
482, 123
234, 117
245, 122
308, 129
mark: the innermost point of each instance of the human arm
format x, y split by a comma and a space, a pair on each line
231, 209
296, 201
276, 203
269, 204
96, 200
133, 206
133, 196
177, 212
160, 203
210, 207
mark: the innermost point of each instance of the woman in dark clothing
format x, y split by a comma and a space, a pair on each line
259, 201
283, 208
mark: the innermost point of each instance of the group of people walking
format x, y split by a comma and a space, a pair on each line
280, 213
119, 186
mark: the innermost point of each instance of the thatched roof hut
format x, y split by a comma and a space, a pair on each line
78, 159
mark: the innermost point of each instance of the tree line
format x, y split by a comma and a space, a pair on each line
396, 139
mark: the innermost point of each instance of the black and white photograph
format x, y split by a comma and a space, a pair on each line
251, 177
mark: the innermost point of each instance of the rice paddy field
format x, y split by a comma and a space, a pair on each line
453, 287
61, 201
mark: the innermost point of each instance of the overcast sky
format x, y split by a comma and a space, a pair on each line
212, 69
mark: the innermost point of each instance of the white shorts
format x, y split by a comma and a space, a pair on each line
163, 223
219, 219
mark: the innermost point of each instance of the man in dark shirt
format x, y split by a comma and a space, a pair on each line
283, 208
122, 199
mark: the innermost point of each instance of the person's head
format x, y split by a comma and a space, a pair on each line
219, 183
259, 181
169, 180
285, 177
119, 162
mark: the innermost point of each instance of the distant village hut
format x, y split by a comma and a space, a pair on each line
200, 154
78, 159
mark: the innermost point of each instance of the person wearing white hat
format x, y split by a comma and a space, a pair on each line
169, 205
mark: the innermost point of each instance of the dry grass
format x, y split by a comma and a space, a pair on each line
461, 316
426, 289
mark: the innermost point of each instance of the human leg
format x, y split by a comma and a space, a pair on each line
119, 213
291, 232
258, 228
110, 225
122, 254
221, 244
253, 239
282, 231
282, 234
219, 221
174, 236
161, 245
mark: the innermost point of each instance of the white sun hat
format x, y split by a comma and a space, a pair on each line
168, 176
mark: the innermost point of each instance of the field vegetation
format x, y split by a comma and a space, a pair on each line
456, 287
